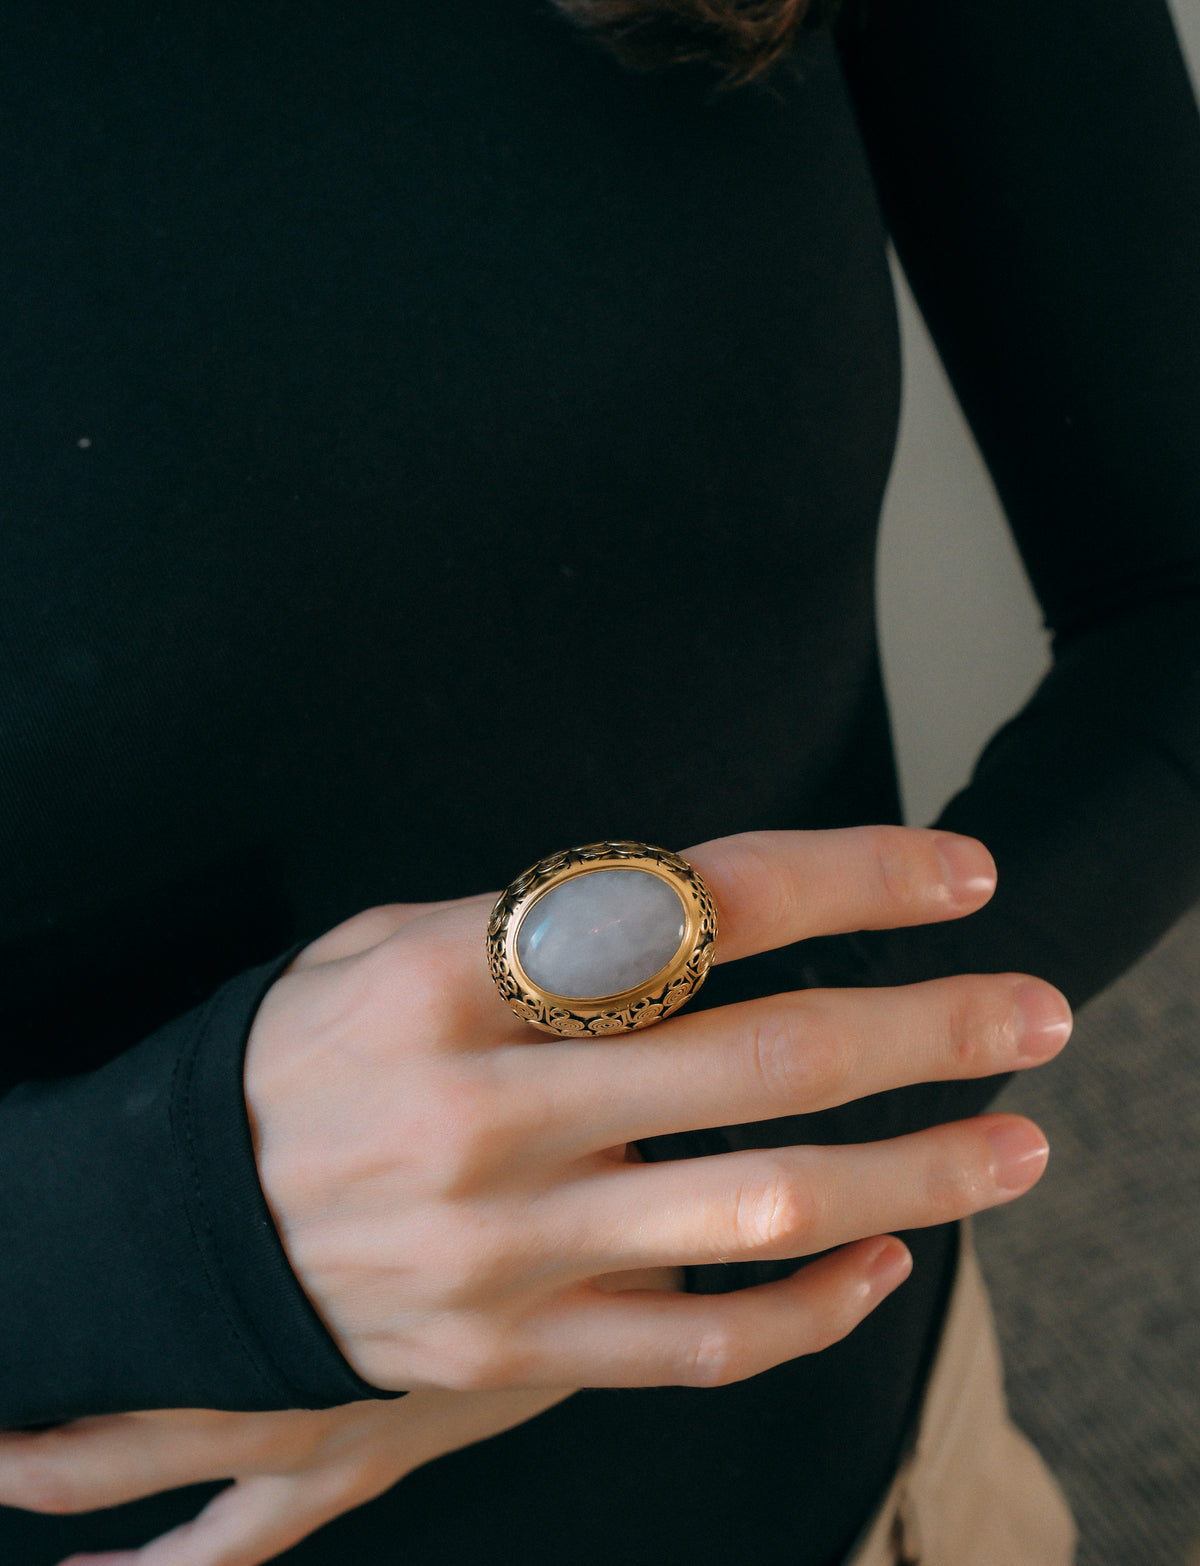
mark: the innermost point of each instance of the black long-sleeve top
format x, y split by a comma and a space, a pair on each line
425, 445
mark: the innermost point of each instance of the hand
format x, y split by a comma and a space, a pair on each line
449, 1184
292, 1471
295, 1471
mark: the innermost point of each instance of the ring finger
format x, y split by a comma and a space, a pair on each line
788, 1202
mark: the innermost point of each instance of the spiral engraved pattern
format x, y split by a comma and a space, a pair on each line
637, 1010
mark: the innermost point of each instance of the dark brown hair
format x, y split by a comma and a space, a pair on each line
744, 39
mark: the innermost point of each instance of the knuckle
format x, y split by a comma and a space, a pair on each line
366, 929
717, 1358
772, 1214
786, 1050
457, 1152
470, 1130
955, 1185
981, 1023
473, 1267
473, 1356
380, 922
907, 866
745, 868
354, 935
340, 1485
824, 1055
411, 985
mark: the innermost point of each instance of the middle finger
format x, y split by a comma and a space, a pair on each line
786, 1055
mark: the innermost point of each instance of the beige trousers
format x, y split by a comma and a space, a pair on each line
973, 1491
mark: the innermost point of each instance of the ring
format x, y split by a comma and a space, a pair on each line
602, 938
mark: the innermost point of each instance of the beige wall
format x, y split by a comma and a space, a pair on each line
962, 640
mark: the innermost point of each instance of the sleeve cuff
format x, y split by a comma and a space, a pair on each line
295, 1358
141, 1265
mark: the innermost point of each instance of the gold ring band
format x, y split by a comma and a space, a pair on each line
603, 934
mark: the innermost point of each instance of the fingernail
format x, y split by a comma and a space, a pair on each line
1019, 1154
1043, 1020
888, 1267
969, 869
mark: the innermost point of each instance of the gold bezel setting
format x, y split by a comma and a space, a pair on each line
651, 1002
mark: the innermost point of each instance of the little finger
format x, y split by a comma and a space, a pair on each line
638, 1339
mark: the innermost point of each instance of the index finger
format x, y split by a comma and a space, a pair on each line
774, 888
770, 889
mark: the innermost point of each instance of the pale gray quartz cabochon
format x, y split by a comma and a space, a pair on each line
601, 933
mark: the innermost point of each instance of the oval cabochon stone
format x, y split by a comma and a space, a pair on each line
600, 933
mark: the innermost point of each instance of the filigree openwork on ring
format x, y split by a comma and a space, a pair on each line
661, 995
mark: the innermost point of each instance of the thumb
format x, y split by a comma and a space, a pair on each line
249, 1523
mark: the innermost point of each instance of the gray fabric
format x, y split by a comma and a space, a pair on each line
1096, 1275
